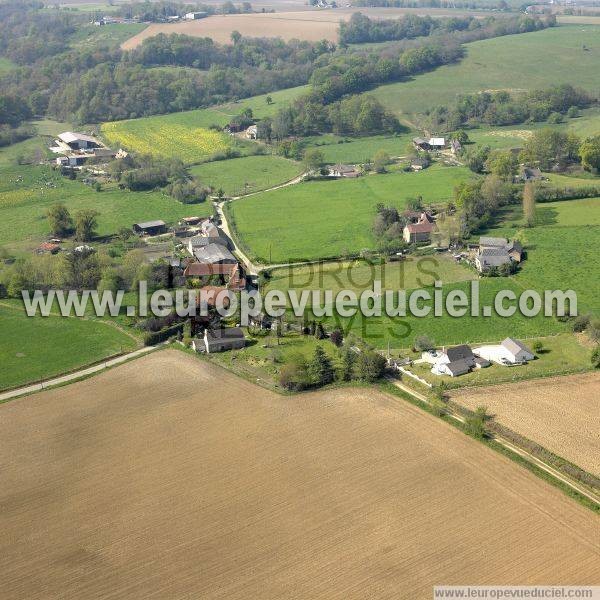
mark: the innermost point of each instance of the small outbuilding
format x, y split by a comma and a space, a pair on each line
150, 228
226, 338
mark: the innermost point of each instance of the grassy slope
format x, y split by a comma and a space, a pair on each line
184, 134
359, 275
248, 174
113, 36
513, 136
518, 62
26, 192
41, 347
337, 149
331, 218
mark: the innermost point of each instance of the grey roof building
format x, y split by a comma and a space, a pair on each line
213, 254
489, 258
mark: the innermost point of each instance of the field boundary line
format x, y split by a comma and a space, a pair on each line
75, 375
509, 446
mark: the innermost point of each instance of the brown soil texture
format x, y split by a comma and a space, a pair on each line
560, 413
168, 477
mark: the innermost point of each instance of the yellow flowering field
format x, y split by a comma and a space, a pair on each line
165, 137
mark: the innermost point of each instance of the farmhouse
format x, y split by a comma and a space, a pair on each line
219, 340
433, 143
200, 241
150, 228
344, 171
233, 273
79, 141
252, 132
490, 258
455, 361
494, 252
215, 254
419, 232
509, 352
194, 16
527, 174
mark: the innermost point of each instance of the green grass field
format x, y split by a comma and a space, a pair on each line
518, 62
323, 219
26, 192
107, 35
338, 149
359, 275
513, 136
42, 347
239, 176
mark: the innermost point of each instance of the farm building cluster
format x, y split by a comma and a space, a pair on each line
460, 360
75, 149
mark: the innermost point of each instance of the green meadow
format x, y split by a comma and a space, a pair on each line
338, 149
248, 174
564, 54
359, 275
322, 219
35, 348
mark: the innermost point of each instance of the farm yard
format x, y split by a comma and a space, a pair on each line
42, 347
518, 62
331, 218
268, 494
248, 174
559, 413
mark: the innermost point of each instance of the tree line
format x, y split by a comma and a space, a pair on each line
360, 29
504, 108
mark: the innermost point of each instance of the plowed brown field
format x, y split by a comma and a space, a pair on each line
168, 478
560, 413
308, 25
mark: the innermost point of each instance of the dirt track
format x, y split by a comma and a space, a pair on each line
169, 478
560, 413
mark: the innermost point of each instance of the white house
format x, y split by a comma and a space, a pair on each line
509, 352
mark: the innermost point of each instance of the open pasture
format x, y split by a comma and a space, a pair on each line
338, 149
322, 219
564, 54
560, 413
327, 495
34, 348
248, 174
360, 275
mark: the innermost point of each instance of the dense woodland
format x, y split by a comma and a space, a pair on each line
86, 85
503, 108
